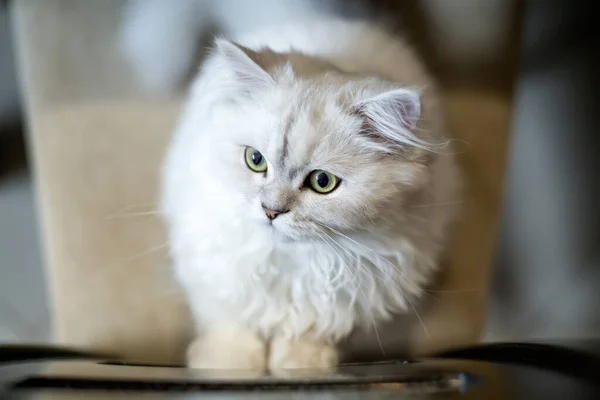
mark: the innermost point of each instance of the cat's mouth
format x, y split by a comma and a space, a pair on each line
281, 231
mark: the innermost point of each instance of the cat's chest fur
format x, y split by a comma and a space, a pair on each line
328, 285
333, 280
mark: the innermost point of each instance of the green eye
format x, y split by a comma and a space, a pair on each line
255, 160
322, 181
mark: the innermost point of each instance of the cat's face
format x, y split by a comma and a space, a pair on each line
301, 155
305, 156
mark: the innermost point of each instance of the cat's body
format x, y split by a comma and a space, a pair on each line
344, 97
275, 272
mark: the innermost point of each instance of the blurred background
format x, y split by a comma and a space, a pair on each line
546, 274
24, 311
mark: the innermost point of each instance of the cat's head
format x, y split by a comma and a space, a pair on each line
295, 146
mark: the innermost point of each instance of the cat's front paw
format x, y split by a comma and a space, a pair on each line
228, 348
303, 356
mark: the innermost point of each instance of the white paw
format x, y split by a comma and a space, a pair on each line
312, 356
228, 348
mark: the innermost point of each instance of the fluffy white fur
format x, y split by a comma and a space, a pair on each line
341, 96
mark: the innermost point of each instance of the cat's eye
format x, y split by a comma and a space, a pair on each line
255, 160
322, 181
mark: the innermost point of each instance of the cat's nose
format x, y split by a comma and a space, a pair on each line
272, 214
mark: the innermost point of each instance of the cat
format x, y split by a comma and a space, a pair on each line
299, 191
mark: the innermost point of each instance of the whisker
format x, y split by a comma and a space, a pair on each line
140, 255
144, 213
420, 219
107, 270
380, 257
133, 214
358, 286
406, 297
141, 205
419, 317
154, 205
449, 203
358, 263
454, 291
222, 194
335, 278
459, 141
119, 263
125, 214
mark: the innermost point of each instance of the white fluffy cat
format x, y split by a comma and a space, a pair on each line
298, 189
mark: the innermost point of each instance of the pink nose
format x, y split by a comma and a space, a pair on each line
272, 214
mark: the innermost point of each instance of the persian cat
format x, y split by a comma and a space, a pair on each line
298, 191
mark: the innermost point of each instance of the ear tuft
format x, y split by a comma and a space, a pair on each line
245, 73
392, 116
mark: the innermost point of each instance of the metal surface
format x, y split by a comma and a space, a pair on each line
440, 379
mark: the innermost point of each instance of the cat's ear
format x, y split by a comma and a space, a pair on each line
390, 117
242, 67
